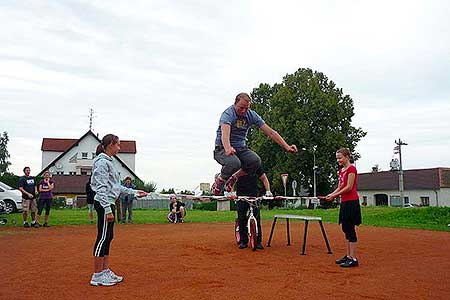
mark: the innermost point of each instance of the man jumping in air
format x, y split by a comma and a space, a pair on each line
231, 150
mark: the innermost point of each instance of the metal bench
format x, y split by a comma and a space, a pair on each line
304, 218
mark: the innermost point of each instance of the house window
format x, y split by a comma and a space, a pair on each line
73, 159
425, 201
406, 199
72, 173
364, 200
59, 173
84, 155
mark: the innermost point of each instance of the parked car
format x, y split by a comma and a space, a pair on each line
409, 205
12, 198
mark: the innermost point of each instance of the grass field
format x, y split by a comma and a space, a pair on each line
431, 218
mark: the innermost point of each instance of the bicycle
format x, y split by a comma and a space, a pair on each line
252, 223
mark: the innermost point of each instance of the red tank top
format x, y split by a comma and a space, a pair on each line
343, 179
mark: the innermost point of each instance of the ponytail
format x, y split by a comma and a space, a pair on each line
106, 140
100, 149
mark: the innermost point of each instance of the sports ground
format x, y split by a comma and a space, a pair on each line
201, 261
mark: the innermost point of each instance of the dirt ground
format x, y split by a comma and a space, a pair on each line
201, 261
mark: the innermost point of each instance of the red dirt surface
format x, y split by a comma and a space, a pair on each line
201, 261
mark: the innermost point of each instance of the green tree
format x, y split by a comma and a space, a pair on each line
308, 110
145, 186
187, 192
4, 154
169, 191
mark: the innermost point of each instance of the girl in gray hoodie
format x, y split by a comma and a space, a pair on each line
105, 182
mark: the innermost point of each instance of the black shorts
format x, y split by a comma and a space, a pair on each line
350, 212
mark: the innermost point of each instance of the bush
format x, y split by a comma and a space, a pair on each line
205, 205
58, 202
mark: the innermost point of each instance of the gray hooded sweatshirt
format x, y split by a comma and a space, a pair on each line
105, 182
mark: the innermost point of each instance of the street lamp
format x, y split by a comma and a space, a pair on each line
314, 148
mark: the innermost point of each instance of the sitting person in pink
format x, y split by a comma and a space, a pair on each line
177, 210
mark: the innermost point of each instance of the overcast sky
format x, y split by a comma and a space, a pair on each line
162, 72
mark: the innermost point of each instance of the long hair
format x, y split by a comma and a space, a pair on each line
106, 140
346, 152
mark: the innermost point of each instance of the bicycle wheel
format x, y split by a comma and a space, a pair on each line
252, 234
237, 236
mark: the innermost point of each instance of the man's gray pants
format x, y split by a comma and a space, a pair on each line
244, 158
127, 205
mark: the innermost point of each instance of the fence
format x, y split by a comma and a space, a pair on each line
159, 203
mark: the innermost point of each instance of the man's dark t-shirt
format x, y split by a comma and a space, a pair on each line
28, 183
90, 194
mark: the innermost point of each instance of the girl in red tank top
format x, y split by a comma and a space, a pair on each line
350, 210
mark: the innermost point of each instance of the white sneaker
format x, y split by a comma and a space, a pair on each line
103, 279
113, 276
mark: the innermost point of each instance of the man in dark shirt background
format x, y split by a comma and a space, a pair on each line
27, 185
247, 186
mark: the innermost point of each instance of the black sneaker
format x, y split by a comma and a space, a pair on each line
342, 260
259, 246
242, 245
26, 225
46, 225
352, 262
36, 225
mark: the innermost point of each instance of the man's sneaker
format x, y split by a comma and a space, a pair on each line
113, 276
36, 225
46, 225
342, 260
230, 183
259, 246
217, 185
26, 225
351, 262
242, 245
102, 280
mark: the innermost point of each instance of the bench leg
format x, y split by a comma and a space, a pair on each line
271, 231
288, 232
325, 237
304, 237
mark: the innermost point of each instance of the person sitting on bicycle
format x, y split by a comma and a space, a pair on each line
247, 186
177, 210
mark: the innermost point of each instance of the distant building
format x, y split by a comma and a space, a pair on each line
70, 162
424, 187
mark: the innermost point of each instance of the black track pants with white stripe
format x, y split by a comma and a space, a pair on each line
105, 231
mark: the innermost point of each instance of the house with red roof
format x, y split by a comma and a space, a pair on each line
70, 162
423, 187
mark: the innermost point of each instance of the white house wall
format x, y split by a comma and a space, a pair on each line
48, 157
440, 197
129, 159
88, 145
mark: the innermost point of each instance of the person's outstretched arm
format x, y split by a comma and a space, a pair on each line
277, 138
266, 182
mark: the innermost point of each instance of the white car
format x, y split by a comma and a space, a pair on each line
12, 198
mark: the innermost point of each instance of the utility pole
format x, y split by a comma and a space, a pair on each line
314, 169
400, 143
91, 116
